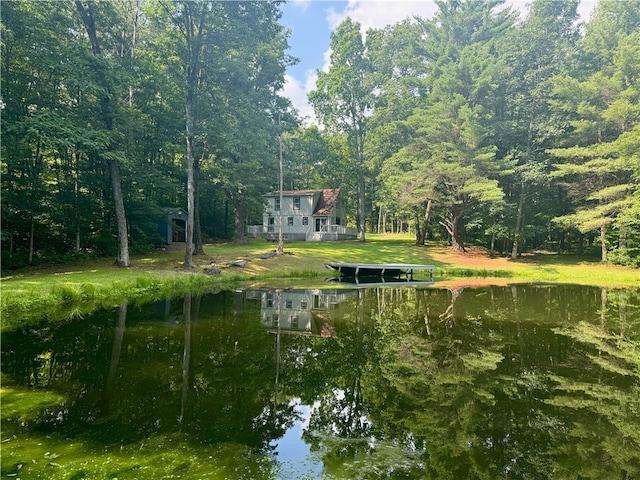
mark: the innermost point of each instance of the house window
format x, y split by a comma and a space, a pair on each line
277, 205
294, 322
296, 203
270, 225
337, 220
305, 221
303, 305
290, 221
289, 304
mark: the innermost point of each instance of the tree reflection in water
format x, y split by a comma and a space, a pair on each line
526, 381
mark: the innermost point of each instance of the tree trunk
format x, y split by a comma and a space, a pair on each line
516, 236
226, 219
280, 249
580, 244
603, 243
457, 235
35, 173
239, 217
107, 116
193, 38
362, 224
622, 238
198, 245
455, 227
197, 231
188, 250
76, 197
123, 235
426, 218
32, 230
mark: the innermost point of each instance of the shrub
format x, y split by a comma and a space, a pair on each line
67, 293
629, 257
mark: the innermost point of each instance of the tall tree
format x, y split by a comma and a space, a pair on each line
343, 98
108, 107
232, 63
531, 55
602, 112
194, 20
54, 134
452, 155
401, 69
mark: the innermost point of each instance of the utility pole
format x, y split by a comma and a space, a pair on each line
280, 250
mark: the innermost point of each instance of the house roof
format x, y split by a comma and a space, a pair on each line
292, 193
326, 198
327, 202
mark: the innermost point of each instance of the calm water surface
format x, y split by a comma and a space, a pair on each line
527, 381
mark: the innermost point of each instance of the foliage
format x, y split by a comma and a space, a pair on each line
475, 125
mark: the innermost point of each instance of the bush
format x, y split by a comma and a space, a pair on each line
628, 257
67, 293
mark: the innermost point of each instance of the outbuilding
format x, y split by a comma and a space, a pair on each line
172, 225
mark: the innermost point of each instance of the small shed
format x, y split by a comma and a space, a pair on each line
172, 225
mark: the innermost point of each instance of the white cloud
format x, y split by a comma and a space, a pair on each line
585, 8
380, 13
297, 92
301, 4
326, 61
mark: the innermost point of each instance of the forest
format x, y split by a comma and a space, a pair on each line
474, 127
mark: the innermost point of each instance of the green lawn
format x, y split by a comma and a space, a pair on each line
61, 288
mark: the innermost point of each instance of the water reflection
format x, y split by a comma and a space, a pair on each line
301, 311
516, 382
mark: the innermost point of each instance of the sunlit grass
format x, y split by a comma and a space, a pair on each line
31, 292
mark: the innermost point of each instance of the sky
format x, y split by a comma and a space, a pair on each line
312, 21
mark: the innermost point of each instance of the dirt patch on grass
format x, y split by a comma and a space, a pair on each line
475, 257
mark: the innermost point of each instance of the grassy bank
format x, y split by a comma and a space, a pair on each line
59, 290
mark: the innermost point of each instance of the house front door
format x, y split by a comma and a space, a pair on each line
321, 222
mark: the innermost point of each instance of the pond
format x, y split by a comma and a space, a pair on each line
522, 381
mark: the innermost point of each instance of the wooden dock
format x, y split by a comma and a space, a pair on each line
376, 282
382, 270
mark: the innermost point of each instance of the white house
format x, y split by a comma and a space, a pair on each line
303, 312
312, 215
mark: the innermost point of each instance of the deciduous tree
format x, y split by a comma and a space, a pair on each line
343, 98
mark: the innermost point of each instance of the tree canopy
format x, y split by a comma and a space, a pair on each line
475, 127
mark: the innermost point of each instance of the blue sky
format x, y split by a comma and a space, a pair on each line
311, 22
